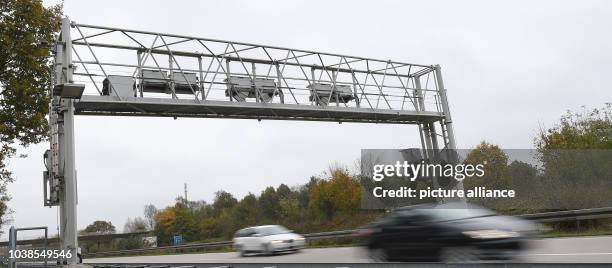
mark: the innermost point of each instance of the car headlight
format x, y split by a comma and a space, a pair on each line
301, 238
276, 241
490, 234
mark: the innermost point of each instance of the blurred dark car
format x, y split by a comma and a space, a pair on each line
447, 234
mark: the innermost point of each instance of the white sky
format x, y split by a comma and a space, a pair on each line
510, 67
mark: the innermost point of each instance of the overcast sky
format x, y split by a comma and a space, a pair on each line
510, 68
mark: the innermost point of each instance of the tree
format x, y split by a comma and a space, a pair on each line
26, 30
338, 195
165, 220
223, 201
246, 212
185, 223
583, 130
97, 227
100, 227
149, 212
523, 175
495, 161
290, 209
576, 156
283, 191
268, 201
138, 224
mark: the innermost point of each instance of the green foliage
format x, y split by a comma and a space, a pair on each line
338, 196
333, 200
223, 201
584, 130
26, 30
576, 157
496, 174
137, 224
100, 227
269, 203
246, 212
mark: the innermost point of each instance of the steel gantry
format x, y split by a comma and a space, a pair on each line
119, 72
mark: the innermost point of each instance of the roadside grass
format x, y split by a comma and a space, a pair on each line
579, 228
570, 233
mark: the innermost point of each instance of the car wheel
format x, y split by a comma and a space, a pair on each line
268, 250
458, 255
379, 255
240, 250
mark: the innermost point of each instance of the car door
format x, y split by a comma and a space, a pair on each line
409, 237
255, 240
246, 239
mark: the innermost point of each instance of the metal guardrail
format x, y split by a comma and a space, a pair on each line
570, 215
88, 237
312, 236
545, 217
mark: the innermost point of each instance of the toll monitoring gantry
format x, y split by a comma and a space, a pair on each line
110, 71
129, 72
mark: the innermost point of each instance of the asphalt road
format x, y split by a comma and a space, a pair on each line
553, 250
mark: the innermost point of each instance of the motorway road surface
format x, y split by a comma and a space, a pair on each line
556, 250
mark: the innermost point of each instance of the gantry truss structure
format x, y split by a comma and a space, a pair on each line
140, 73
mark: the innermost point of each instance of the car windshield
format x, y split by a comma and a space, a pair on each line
272, 230
446, 214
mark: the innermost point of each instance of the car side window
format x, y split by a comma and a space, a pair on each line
420, 218
405, 219
239, 233
411, 217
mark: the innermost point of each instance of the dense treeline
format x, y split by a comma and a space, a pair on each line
328, 202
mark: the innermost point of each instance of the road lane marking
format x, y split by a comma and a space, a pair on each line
569, 254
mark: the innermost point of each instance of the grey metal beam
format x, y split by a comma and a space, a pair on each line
164, 107
250, 60
239, 43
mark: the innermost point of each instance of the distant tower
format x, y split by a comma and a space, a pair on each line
185, 191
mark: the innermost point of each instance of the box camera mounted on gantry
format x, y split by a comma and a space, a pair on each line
154, 81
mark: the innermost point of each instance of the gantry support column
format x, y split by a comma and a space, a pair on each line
424, 128
449, 134
67, 171
448, 121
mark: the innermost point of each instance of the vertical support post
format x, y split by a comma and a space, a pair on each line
357, 102
139, 72
313, 92
335, 92
279, 76
171, 76
448, 121
427, 130
434, 139
68, 202
46, 242
253, 71
227, 75
424, 127
12, 245
201, 78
